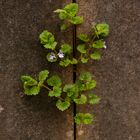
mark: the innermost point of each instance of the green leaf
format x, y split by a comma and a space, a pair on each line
93, 99
64, 27
63, 15
51, 46
28, 81
102, 29
83, 118
88, 85
78, 118
54, 81
83, 37
43, 75
59, 11
34, 90
95, 56
91, 84
85, 76
56, 92
69, 13
71, 9
30, 85
66, 48
51, 57
87, 118
84, 60
68, 99
46, 37
98, 44
81, 86
62, 105
65, 62
40, 83
71, 90
81, 48
81, 100
74, 61
76, 20
25, 78
48, 40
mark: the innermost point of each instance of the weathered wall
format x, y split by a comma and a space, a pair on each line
29, 118
118, 73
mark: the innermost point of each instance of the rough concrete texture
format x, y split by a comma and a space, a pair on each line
117, 74
21, 117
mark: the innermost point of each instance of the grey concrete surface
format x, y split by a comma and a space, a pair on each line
21, 117
117, 74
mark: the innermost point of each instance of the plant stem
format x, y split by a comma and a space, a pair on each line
80, 57
61, 98
55, 52
46, 87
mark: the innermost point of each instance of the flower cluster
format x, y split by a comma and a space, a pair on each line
88, 46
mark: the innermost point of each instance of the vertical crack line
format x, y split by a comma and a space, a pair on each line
74, 71
74, 74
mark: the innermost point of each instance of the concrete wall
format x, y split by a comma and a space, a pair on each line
117, 74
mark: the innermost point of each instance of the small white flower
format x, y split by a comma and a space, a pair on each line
52, 56
61, 54
105, 46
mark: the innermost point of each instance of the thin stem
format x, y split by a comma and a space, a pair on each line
46, 87
61, 98
80, 57
55, 52
89, 44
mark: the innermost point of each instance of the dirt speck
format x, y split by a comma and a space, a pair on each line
1, 108
81, 132
69, 133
